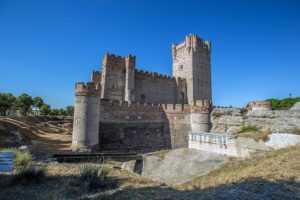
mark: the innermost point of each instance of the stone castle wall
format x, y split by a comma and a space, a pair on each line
191, 60
129, 126
117, 80
157, 88
148, 127
113, 77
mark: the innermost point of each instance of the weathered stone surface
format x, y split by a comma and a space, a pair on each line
296, 106
226, 120
279, 140
275, 121
232, 119
181, 165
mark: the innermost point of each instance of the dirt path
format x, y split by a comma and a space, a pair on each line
44, 136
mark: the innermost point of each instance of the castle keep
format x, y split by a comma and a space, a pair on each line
125, 109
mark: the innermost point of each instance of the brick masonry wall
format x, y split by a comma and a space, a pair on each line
154, 88
142, 127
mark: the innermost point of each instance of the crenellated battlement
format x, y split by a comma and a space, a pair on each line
90, 88
192, 41
200, 106
141, 74
96, 77
114, 56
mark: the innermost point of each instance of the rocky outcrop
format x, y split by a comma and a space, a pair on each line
282, 121
296, 106
232, 119
226, 120
177, 166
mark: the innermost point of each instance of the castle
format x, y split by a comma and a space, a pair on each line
125, 109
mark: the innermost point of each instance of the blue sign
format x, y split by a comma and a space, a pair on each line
6, 161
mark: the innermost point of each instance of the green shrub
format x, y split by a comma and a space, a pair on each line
249, 128
21, 158
29, 173
283, 104
92, 176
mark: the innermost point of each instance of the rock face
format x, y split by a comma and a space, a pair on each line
232, 119
181, 165
276, 121
296, 106
226, 120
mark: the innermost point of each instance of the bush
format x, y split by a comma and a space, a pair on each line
283, 104
92, 176
21, 158
29, 173
248, 128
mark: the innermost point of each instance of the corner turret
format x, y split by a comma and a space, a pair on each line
86, 117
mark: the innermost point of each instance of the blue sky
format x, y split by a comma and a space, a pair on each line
47, 46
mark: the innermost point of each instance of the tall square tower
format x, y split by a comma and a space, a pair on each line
191, 60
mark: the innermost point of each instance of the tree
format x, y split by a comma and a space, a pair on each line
7, 101
54, 112
24, 103
62, 112
45, 109
38, 102
70, 110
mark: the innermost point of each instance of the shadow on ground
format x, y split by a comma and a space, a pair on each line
68, 187
248, 189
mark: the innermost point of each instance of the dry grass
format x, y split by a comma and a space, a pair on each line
254, 133
28, 173
276, 165
161, 154
62, 181
49, 137
296, 131
257, 135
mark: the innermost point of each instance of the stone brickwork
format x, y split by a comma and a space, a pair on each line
157, 88
135, 127
86, 117
168, 107
191, 60
191, 76
259, 105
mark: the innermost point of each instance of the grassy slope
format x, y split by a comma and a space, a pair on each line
275, 175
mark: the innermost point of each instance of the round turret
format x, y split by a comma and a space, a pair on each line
86, 117
200, 116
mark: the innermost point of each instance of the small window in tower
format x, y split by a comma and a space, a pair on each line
181, 67
143, 97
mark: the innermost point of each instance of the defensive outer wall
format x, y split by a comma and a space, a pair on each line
118, 126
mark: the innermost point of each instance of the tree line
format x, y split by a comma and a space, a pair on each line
25, 104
